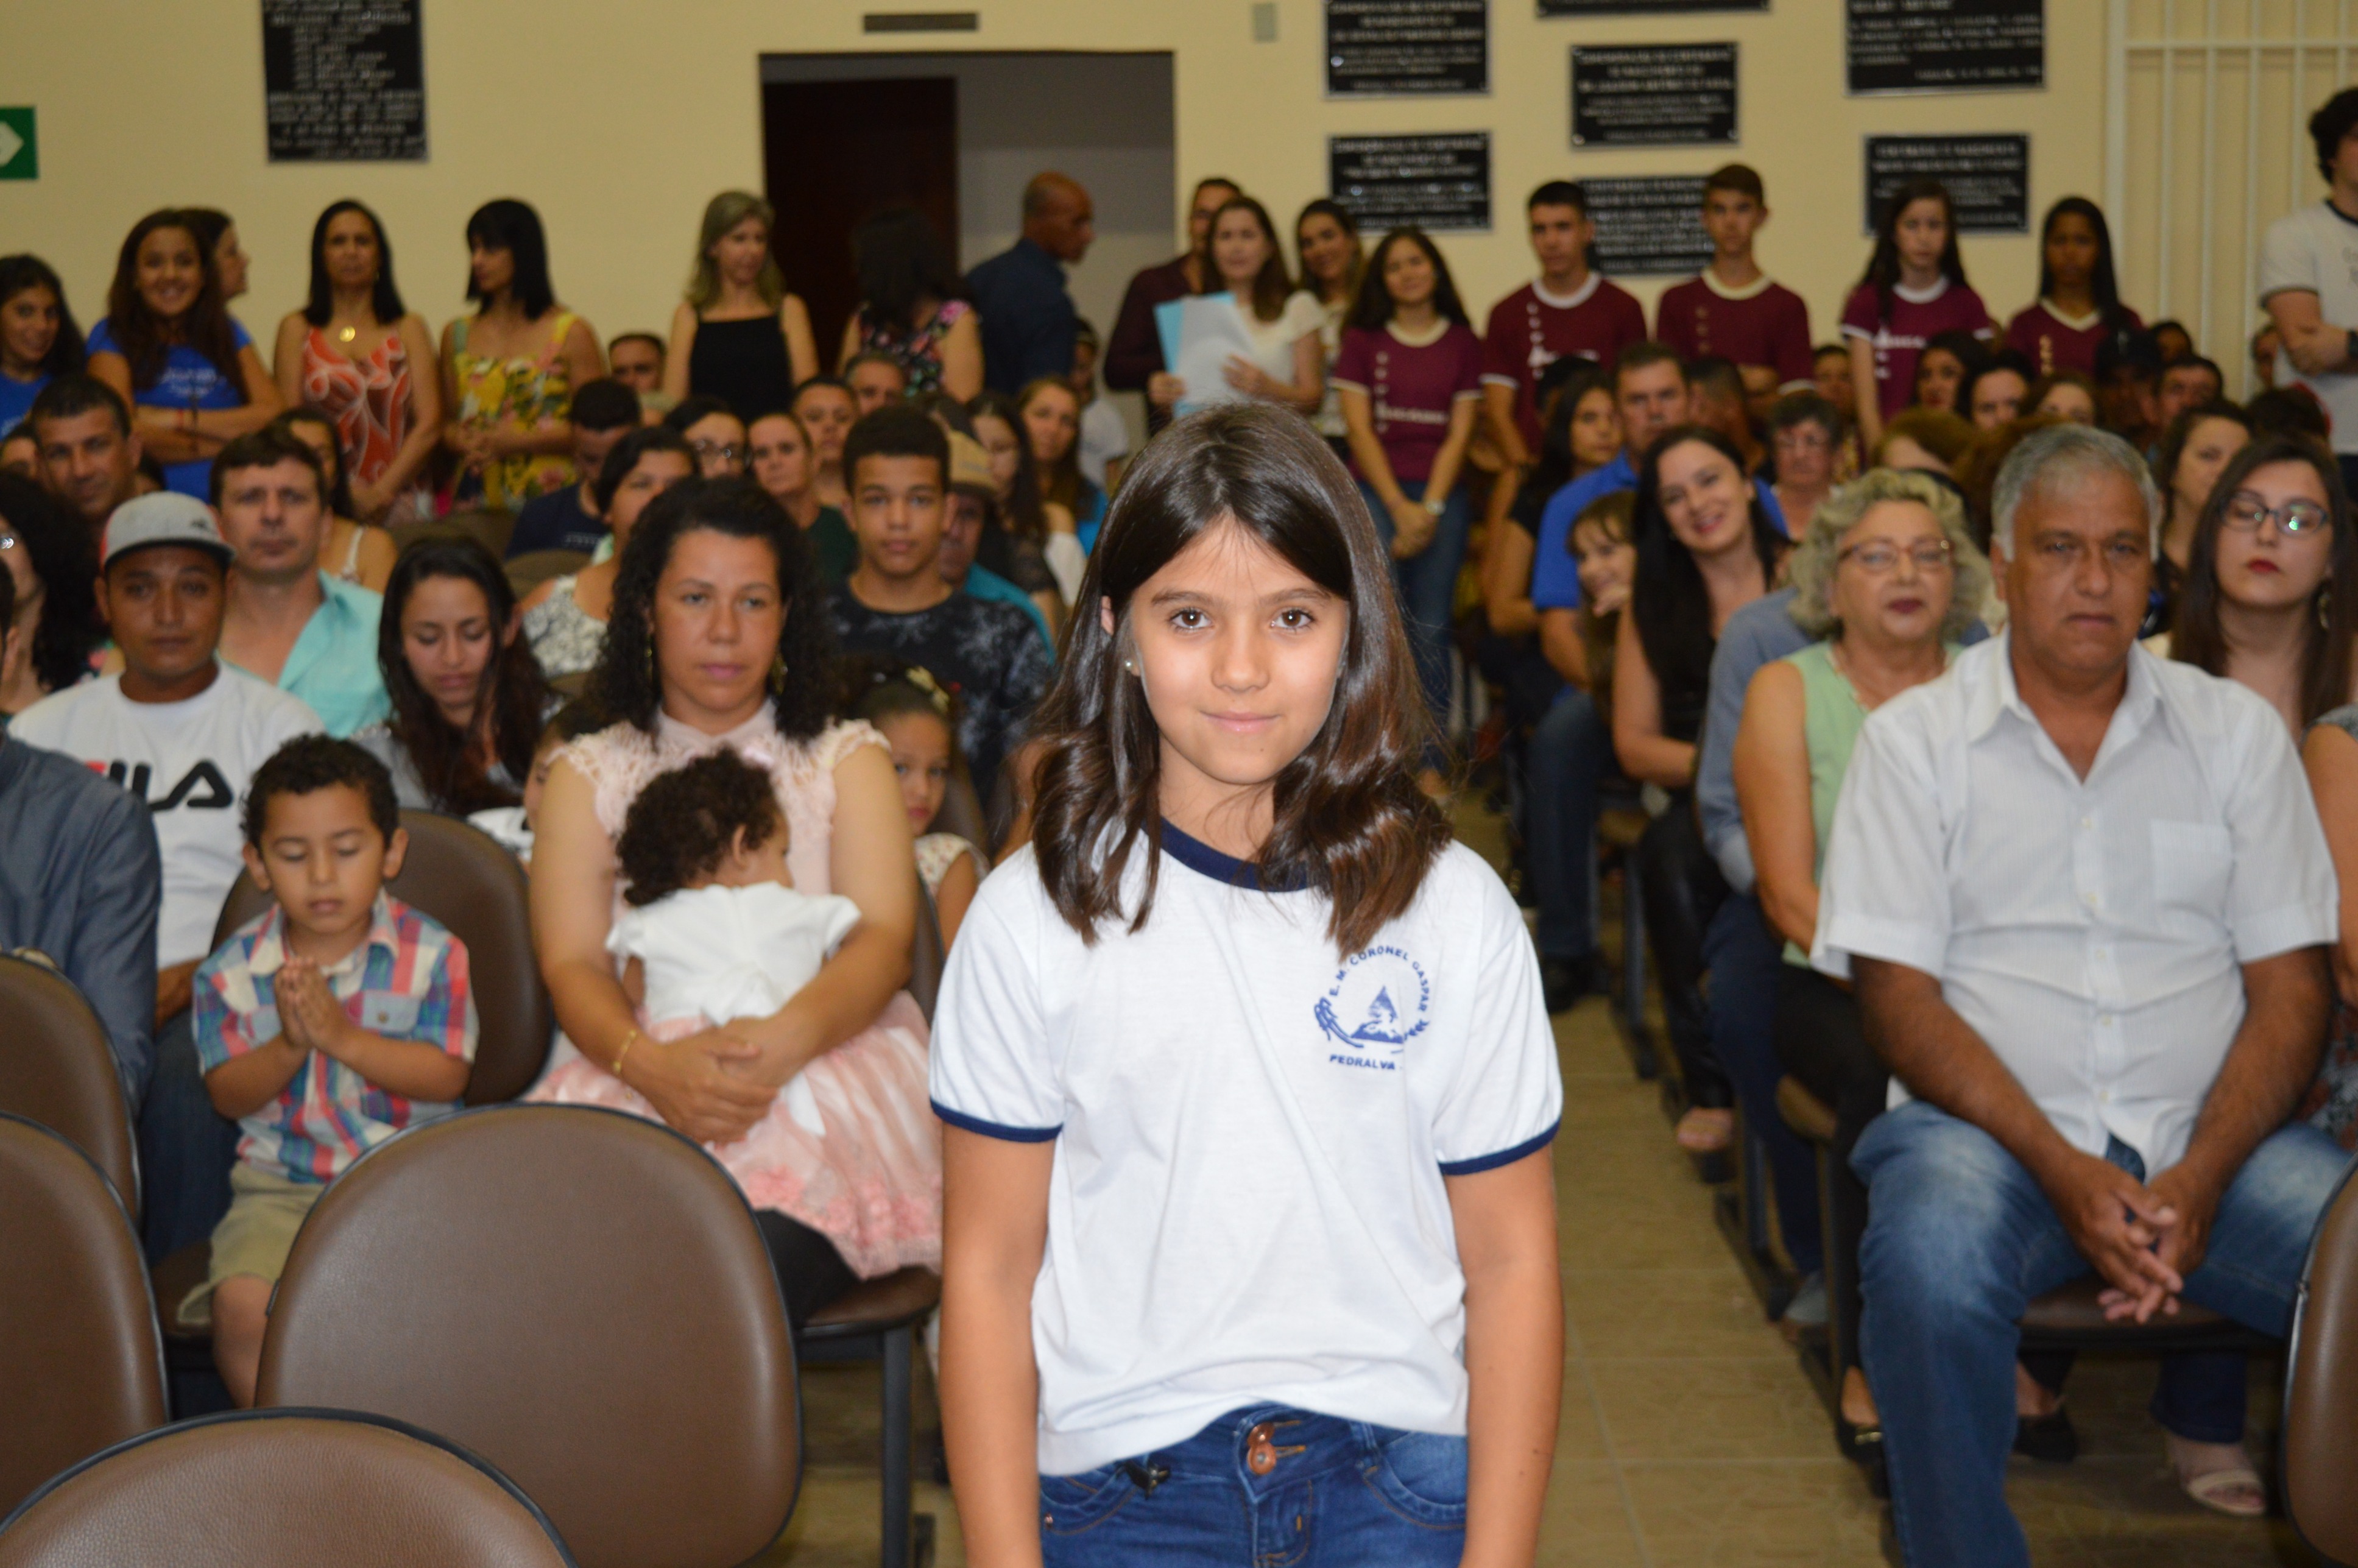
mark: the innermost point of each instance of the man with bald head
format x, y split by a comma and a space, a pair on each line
1028, 318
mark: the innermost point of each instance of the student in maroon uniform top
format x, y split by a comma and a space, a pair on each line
1914, 290
1732, 308
2079, 303
1568, 310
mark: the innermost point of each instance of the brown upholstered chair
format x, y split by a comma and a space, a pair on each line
579, 1295
84, 1369
2320, 1426
529, 570
271, 1488
59, 1070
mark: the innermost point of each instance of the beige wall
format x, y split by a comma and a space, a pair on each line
617, 119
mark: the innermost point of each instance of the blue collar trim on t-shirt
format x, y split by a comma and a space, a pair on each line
1205, 861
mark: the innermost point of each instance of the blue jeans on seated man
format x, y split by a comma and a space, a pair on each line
1427, 586
1335, 1492
185, 1148
1571, 749
1959, 1240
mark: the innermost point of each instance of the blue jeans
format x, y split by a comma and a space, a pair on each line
185, 1148
1341, 1492
1570, 749
1747, 961
1427, 585
1960, 1239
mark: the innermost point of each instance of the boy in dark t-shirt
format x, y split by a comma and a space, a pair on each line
604, 411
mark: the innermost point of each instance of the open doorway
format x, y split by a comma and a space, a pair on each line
957, 135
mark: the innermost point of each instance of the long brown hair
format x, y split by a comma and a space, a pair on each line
510, 695
1061, 480
1348, 815
142, 338
2197, 638
1271, 285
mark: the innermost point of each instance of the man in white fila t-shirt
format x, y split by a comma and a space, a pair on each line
2308, 278
183, 733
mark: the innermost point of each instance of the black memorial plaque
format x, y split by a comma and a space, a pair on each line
1407, 48
343, 81
1988, 178
1650, 226
1642, 7
1945, 46
1439, 183
1653, 95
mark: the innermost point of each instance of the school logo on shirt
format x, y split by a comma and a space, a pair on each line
1379, 1001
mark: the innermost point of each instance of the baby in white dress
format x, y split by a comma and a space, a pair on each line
715, 930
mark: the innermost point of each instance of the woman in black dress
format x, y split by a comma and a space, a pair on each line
738, 335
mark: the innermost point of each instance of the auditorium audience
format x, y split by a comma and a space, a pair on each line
296, 1031
1716, 400
2267, 345
2079, 304
1331, 262
80, 880
1028, 317
828, 409
1288, 363
1567, 309
604, 411
2186, 382
1805, 440
1732, 308
912, 308
783, 459
169, 348
466, 696
51, 560
39, 338
20, 454
741, 661
918, 721
216, 230
1029, 541
713, 432
895, 605
638, 361
509, 370
1914, 289
2195, 451
1992, 395
2129, 388
968, 510
354, 552
1927, 440
1133, 355
284, 620
1830, 369
1706, 548
1051, 415
2063, 787
1411, 376
738, 335
2066, 395
1943, 368
357, 353
1887, 580
874, 379
1105, 437
565, 618
90, 451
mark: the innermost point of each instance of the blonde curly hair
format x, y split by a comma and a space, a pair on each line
1814, 560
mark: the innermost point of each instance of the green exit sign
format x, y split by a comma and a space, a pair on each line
20, 146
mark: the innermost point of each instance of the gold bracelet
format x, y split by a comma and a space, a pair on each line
628, 1040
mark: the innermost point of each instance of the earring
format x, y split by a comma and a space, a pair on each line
2325, 608
651, 684
1130, 665
778, 674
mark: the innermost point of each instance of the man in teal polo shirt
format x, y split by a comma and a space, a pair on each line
287, 621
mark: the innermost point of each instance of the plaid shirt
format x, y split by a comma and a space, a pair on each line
407, 981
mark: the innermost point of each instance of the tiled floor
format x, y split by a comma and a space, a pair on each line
1689, 1434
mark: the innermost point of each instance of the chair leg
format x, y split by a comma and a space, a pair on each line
899, 1398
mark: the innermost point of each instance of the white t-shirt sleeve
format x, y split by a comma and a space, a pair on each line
1303, 318
1506, 1097
1884, 891
2287, 259
991, 1072
288, 717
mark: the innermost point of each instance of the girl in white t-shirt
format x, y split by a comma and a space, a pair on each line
1288, 364
1249, 1249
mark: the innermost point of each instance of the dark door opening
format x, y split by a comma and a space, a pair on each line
836, 152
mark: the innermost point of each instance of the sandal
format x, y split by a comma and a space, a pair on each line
2235, 1492
1706, 1130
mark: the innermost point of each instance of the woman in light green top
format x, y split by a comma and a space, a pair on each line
1888, 579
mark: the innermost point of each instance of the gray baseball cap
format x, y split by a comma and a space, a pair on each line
166, 517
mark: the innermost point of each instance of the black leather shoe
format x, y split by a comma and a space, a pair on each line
1565, 981
2050, 1439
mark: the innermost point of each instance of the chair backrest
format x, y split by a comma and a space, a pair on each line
579, 1296
82, 1365
458, 874
927, 955
272, 1490
2321, 1423
529, 570
59, 1070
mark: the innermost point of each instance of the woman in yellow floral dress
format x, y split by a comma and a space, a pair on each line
509, 370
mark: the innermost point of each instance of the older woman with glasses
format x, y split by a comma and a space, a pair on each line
1805, 441
1888, 580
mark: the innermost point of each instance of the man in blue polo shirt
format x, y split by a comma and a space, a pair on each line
286, 621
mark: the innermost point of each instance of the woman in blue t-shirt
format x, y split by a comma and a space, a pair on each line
170, 347
38, 339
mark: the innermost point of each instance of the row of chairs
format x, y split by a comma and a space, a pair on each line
57, 1073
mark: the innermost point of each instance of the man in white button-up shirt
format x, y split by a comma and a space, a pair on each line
2084, 895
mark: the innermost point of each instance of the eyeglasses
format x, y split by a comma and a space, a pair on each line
727, 452
2246, 512
1803, 441
1878, 558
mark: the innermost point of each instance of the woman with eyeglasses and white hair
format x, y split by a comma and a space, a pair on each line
1888, 580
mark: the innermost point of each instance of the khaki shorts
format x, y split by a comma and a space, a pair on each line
253, 1237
